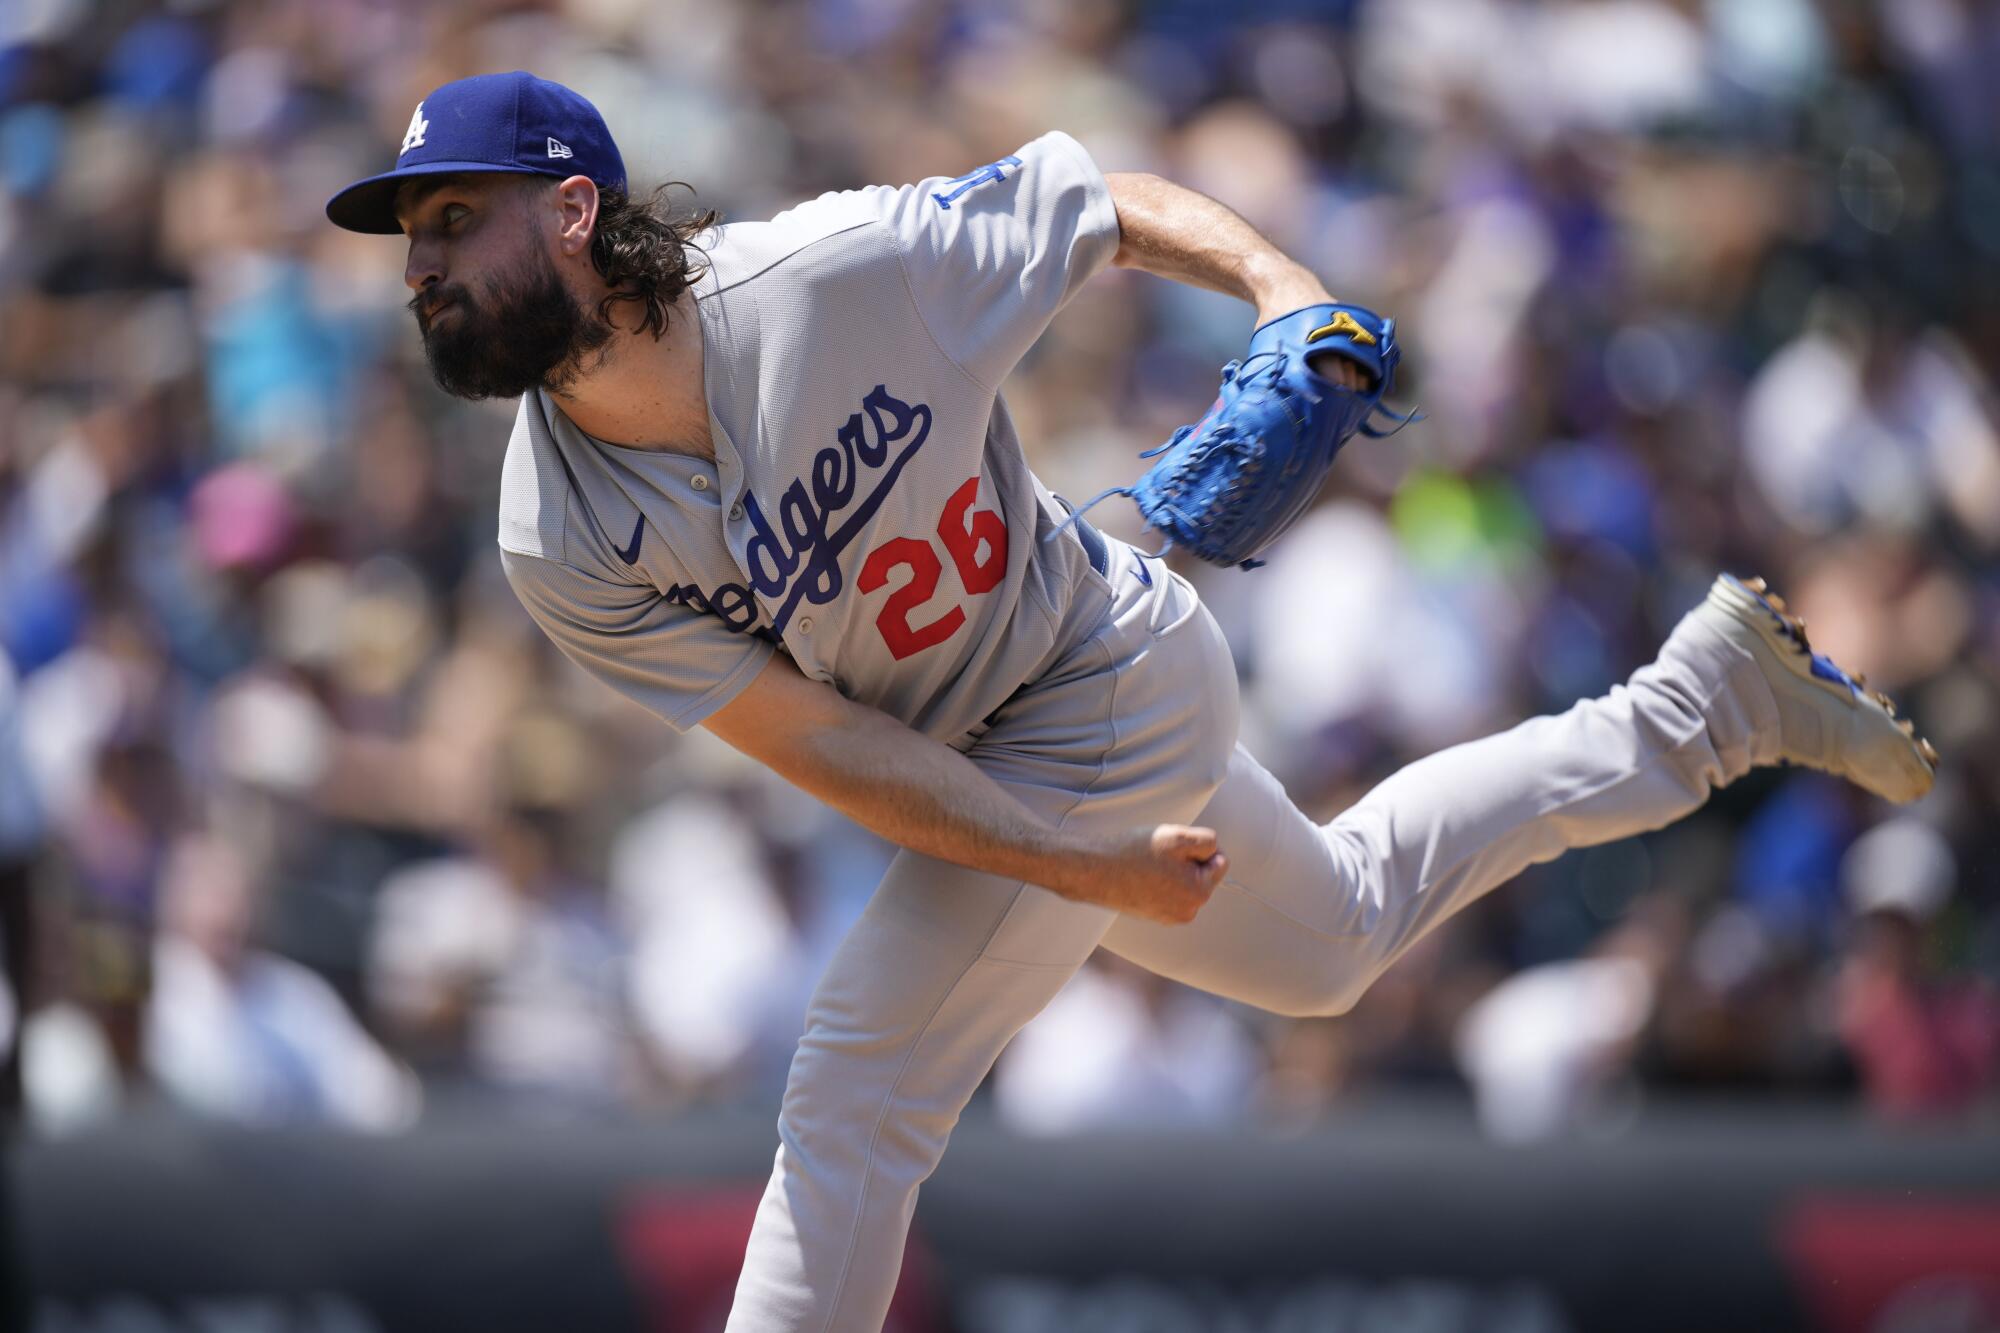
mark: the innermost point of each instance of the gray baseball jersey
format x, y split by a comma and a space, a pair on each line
869, 508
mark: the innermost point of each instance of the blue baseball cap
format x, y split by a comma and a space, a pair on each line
491, 122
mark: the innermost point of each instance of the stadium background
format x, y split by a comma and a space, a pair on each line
321, 872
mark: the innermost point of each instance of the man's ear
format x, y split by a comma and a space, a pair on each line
576, 205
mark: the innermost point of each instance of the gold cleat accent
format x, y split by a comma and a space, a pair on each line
1757, 585
1929, 751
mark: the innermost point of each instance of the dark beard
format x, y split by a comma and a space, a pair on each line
532, 332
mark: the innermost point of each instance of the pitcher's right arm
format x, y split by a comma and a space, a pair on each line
922, 794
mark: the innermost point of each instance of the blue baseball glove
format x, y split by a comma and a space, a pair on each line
1227, 486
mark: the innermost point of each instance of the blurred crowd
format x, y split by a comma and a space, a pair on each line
301, 821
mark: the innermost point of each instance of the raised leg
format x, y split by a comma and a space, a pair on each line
1312, 914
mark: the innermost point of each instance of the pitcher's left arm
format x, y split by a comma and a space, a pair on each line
1173, 232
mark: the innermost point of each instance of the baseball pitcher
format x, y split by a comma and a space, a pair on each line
763, 481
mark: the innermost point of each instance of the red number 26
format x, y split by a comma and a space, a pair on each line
966, 533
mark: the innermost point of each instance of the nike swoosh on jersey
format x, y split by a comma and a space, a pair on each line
630, 554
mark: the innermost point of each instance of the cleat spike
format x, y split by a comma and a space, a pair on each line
1888, 704
1777, 602
1907, 727
1756, 584
1928, 751
1861, 680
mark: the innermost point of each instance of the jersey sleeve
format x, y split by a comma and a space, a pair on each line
678, 663
993, 255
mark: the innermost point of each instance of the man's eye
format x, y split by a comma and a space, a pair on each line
454, 213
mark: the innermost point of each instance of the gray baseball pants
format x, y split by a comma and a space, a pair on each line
1136, 724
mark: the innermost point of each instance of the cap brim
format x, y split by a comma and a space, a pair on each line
370, 205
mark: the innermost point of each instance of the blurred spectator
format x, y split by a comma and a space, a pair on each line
1927, 1043
1547, 1048
241, 1034
1121, 1048
502, 969
716, 957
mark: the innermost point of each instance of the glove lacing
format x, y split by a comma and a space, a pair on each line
1252, 456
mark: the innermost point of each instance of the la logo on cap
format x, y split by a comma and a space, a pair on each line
414, 136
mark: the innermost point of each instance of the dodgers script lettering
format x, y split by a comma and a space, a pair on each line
818, 516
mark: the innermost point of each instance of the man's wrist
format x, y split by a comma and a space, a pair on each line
1281, 286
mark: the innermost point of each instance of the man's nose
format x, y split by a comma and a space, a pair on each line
423, 268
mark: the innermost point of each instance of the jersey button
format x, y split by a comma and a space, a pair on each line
805, 624
700, 482
735, 511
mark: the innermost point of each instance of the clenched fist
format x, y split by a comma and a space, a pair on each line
1164, 873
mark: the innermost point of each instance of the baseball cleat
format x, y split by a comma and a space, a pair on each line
1828, 720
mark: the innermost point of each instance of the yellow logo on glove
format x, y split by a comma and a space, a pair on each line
1342, 323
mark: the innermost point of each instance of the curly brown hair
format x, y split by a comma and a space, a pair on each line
641, 249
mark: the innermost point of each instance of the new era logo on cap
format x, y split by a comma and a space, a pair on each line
491, 122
